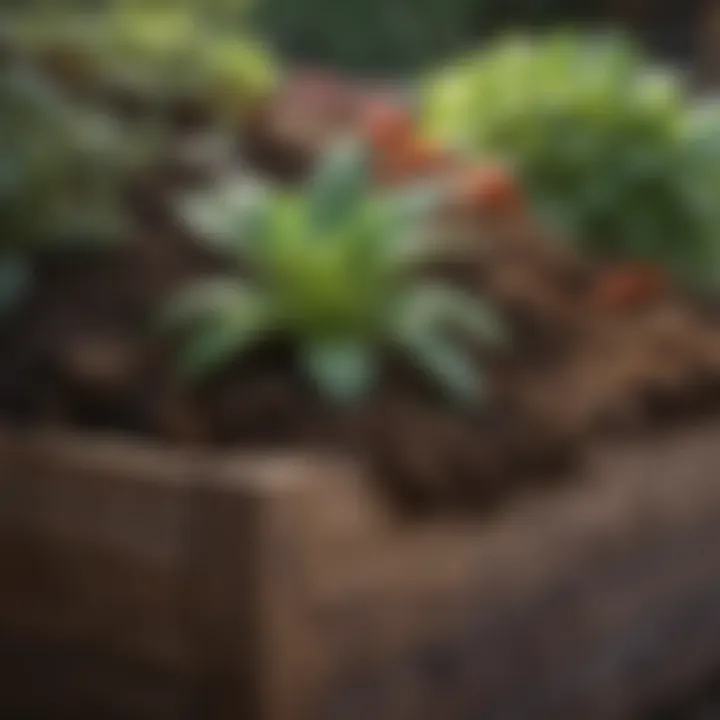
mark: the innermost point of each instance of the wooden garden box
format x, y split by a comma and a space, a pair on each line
140, 583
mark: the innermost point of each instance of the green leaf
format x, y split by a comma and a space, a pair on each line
15, 282
234, 217
213, 348
476, 317
339, 186
423, 321
451, 367
409, 215
210, 299
602, 138
442, 309
225, 319
344, 371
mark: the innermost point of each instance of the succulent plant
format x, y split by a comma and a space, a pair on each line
609, 147
59, 172
333, 269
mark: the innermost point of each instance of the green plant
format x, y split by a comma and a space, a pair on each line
334, 270
58, 179
162, 53
176, 51
609, 147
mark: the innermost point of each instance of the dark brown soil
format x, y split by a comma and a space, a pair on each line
85, 354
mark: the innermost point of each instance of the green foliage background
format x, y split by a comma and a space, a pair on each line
362, 36
391, 36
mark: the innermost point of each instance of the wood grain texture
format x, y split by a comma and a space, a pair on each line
92, 546
139, 583
594, 601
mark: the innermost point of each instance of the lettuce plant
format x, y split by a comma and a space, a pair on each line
609, 148
334, 270
59, 173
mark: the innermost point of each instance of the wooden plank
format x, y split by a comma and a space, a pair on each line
139, 583
92, 562
594, 601
221, 599
258, 658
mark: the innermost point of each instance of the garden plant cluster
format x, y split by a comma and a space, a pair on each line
457, 281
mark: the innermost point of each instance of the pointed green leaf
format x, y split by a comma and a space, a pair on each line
211, 349
224, 338
235, 217
410, 215
440, 309
208, 299
475, 317
343, 371
452, 368
226, 318
339, 185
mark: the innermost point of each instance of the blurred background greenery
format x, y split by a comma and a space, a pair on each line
395, 37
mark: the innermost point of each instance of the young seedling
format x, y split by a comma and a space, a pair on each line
334, 269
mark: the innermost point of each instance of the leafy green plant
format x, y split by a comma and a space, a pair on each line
58, 179
334, 270
609, 147
162, 53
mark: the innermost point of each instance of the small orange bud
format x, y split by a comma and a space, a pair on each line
491, 188
387, 126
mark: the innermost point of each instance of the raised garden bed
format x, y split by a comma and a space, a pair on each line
140, 582
252, 549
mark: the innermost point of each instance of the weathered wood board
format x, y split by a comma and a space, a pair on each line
140, 583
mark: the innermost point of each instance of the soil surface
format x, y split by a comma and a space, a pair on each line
85, 353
